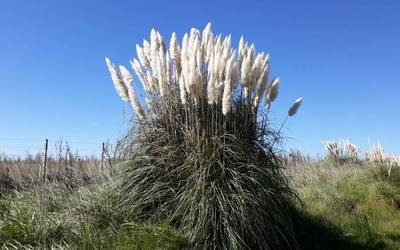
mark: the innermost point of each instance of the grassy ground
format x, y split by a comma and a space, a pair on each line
57, 217
348, 206
351, 204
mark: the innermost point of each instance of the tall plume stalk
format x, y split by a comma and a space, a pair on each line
201, 152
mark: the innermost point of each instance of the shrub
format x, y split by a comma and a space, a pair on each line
201, 152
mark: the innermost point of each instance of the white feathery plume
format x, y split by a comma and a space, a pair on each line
229, 66
211, 79
154, 42
207, 34
147, 53
152, 81
136, 104
162, 67
116, 78
162, 46
261, 84
295, 107
226, 47
228, 88
128, 79
154, 47
273, 90
182, 89
168, 69
142, 57
211, 90
235, 74
184, 77
256, 69
209, 49
245, 71
241, 52
139, 72
185, 44
219, 71
192, 72
159, 76
194, 77
199, 56
227, 97
195, 82
205, 41
252, 53
199, 73
175, 54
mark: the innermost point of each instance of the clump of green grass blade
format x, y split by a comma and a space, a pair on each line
130, 236
32, 219
53, 216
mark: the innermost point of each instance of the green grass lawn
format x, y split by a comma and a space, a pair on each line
343, 207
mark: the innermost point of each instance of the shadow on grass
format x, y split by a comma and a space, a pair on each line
6, 186
314, 233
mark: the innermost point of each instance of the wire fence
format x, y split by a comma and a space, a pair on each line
49, 159
20, 147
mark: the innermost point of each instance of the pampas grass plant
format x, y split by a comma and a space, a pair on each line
201, 152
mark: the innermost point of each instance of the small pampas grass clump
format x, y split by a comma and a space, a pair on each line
332, 149
202, 151
381, 159
341, 151
351, 150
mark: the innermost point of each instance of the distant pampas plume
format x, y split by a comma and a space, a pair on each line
295, 107
201, 153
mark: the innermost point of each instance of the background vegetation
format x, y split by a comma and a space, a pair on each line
344, 206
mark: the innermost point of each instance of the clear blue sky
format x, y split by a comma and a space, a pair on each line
342, 57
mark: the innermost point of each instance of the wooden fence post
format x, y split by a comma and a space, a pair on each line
103, 149
46, 145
